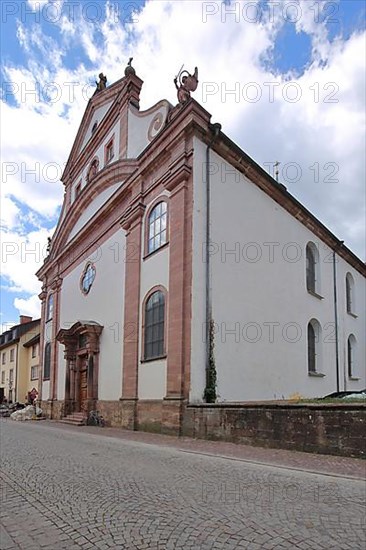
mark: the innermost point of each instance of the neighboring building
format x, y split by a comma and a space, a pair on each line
30, 376
14, 366
130, 286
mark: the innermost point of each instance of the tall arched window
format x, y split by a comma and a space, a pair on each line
154, 326
351, 348
47, 362
350, 289
313, 344
49, 307
312, 259
157, 227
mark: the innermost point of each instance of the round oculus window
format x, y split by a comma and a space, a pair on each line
87, 278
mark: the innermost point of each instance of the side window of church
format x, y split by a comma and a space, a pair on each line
47, 362
154, 326
49, 307
157, 227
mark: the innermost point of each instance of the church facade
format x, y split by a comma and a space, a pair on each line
181, 272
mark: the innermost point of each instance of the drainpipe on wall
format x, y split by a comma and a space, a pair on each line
216, 130
336, 314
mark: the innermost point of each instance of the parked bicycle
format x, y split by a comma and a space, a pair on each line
95, 419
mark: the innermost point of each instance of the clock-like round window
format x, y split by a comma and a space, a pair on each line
87, 278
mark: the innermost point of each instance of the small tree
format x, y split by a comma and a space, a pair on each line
211, 380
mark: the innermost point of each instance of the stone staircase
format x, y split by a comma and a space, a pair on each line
75, 419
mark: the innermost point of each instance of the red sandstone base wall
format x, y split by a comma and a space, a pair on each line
335, 429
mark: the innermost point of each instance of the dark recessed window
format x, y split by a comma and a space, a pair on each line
350, 293
154, 326
157, 227
95, 126
314, 347
49, 307
47, 362
87, 278
310, 269
77, 190
311, 349
351, 345
109, 151
34, 373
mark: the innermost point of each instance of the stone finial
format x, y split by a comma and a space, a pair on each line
129, 70
102, 84
187, 83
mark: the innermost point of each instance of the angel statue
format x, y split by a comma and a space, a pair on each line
188, 83
102, 84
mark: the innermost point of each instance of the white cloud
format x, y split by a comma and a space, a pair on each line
37, 4
29, 306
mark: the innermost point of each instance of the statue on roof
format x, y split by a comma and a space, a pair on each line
187, 83
102, 84
129, 70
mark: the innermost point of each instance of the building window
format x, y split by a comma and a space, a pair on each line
11, 376
350, 290
49, 307
351, 348
312, 268
313, 347
3, 358
47, 362
34, 350
77, 190
3, 377
154, 326
95, 126
157, 227
87, 278
12, 355
34, 373
109, 151
93, 169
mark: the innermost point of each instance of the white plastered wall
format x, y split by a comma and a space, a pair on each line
92, 209
261, 307
139, 124
105, 305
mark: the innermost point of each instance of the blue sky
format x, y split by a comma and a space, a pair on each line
313, 43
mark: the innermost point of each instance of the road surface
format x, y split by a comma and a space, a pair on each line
83, 488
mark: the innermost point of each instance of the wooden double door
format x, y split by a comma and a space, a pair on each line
83, 383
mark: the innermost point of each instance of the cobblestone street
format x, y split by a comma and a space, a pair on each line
66, 488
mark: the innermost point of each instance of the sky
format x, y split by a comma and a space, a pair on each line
285, 79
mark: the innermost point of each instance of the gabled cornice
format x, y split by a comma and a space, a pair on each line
121, 93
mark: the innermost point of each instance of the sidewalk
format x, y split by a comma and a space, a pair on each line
353, 468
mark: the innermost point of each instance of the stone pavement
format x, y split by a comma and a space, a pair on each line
71, 488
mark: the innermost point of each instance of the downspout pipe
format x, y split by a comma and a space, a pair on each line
216, 131
336, 328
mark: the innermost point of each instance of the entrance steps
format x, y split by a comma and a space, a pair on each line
75, 419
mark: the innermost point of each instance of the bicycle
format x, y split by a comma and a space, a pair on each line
95, 419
